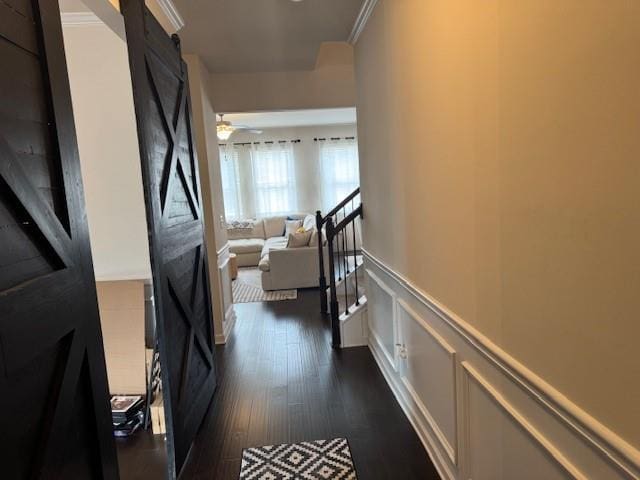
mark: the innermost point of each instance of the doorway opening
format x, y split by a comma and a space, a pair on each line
100, 81
279, 169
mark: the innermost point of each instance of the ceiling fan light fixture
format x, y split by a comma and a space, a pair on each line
224, 128
224, 132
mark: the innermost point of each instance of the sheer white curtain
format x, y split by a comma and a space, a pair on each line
339, 169
274, 178
230, 176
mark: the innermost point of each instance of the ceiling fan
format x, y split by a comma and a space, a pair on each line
224, 128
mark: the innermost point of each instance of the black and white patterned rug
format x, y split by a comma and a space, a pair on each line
247, 288
319, 460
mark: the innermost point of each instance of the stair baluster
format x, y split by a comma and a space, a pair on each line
355, 260
322, 280
338, 251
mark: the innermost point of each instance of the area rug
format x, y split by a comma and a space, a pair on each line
247, 288
319, 460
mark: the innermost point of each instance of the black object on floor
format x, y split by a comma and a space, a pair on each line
317, 460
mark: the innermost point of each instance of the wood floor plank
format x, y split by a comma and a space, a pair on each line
281, 382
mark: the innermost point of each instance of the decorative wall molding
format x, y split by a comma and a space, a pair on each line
172, 13
450, 449
222, 260
392, 357
222, 255
361, 20
412, 413
614, 450
80, 19
223, 249
470, 373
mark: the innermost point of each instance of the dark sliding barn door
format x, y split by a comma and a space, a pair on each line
176, 233
55, 419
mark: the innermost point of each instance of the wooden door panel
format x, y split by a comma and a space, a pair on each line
54, 409
174, 215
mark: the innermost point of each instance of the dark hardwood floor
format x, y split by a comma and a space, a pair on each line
281, 382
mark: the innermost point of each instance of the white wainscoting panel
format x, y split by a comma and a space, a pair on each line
501, 440
428, 373
481, 414
224, 278
382, 320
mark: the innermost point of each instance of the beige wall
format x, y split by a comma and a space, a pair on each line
204, 120
122, 317
108, 144
331, 84
307, 161
499, 146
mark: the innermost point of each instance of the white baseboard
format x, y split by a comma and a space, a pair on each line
551, 431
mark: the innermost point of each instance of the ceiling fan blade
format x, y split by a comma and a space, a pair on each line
246, 128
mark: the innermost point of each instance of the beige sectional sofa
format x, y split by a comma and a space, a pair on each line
262, 243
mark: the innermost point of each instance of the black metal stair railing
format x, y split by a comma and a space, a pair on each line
340, 226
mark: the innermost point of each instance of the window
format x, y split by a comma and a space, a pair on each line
274, 179
230, 182
340, 172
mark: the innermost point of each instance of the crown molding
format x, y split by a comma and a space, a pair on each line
78, 19
172, 13
361, 20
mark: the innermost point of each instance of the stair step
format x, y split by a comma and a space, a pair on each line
350, 267
353, 308
353, 325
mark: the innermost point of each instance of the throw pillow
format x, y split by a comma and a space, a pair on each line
290, 226
309, 222
273, 226
297, 240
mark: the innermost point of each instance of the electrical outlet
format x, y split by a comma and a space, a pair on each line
402, 350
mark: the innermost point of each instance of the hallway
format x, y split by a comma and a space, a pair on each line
281, 382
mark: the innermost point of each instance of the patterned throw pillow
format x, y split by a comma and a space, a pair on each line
245, 224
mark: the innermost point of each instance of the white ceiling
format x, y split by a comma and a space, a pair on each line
242, 36
294, 118
236, 36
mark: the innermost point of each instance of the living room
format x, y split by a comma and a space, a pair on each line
278, 169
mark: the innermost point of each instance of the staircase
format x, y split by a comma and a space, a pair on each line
342, 295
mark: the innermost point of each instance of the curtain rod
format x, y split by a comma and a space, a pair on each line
333, 138
267, 142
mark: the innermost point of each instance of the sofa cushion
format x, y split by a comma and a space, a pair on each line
314, 238
273, 226
246, 245
291, 226
274, 243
